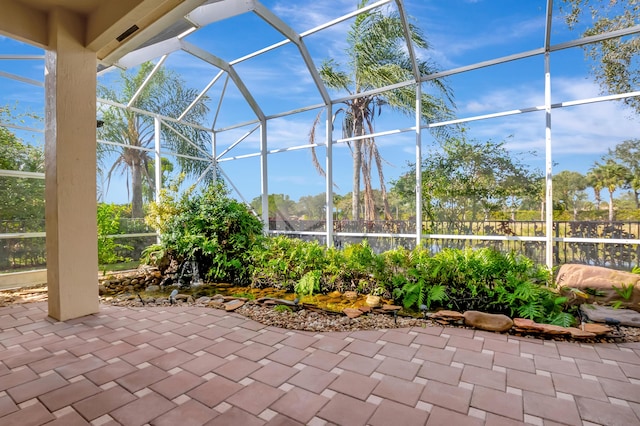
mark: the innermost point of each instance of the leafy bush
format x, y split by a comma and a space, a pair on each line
211, 229
109, 224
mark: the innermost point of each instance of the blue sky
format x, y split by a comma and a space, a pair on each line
460, 32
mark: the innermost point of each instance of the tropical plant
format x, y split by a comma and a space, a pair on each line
213, 230
108, 219
165, 94
308, 284
377, 57
627, 153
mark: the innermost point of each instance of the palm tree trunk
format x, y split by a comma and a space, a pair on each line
357, 166
136, 190
610, 206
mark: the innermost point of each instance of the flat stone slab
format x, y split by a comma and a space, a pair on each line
598, 313
233, 305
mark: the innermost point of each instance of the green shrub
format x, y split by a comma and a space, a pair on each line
108, 218
213, 230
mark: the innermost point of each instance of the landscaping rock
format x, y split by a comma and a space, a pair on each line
373, 301
489, 322
597, 313
153, 288
597, 329
365, 309
352, 295
391, 308
352, 313
528, 326
447, 315
233, 305
601, 281
577, 333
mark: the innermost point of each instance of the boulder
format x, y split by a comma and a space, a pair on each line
603, 314
373, 301
489, 322
233, 305
351, 295
598, 284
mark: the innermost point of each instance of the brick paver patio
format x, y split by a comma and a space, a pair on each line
195, 366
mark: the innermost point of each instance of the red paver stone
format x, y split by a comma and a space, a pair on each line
606, 414
556, 366
478, 359
446, 396
299, 404
169, 341
363, 348
441, 416
359, 364
235, 416
177, 384
274, 374
214, 391
203, 364
573, 350
80, 367
145, 336
142, 355
465, 343
395, 350
114, 351
355, 385
26, 358
280, 420
531, 382
33, 415
493, 401
440, 373
630, 370
312, 379
255, 351
389, 412
539, 348
322, 359
618, 355
600, 369
402, 369
142, 410
367, 335
483, 377
344, 410
514, 362
434, 355
431, 340
70, 419
191, 413
299, 341
36, 387
195, 344
495, 420
225, 348
400, 337
575, 386
621, 390
16, 378
399, 390
110, 372
546, 407
69, 394
95, 406
502, 346
7, 405
270, 338
255, 398
237, 369
171, 360
242, 335
142, 378
53, 362
330, 344
288, 356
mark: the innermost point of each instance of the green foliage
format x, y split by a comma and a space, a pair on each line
308, 284
625, 291
109, 224
212, 229
282, 308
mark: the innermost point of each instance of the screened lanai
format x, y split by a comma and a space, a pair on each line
512, 112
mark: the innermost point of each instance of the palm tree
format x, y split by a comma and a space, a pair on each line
614, 176
594, 180
164, 94
377, 57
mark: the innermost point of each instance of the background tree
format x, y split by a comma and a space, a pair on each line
21, 198
281, 206
615, 61
165, 94
595, 182
569, 191
627, 154
463, 179
377, 57
613, 176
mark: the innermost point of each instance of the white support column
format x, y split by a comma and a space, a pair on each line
418, 165
264, 175
70, 176
157, 127
549, 164
329, 174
